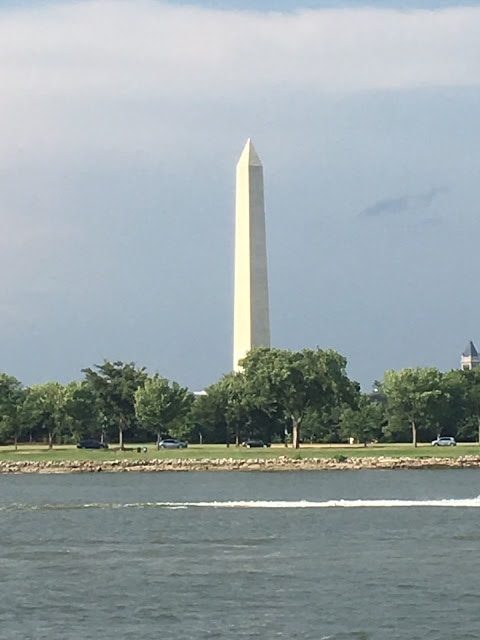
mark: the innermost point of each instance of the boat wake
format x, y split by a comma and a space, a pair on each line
465, 503
309, 504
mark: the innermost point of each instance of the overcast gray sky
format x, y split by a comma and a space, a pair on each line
121, 123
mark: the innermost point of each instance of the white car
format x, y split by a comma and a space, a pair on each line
444, 441
172, 443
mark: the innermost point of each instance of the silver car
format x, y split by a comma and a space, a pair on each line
172, 443
444, 441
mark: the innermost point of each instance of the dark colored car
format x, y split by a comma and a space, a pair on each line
172, 443
91, 444
255, 443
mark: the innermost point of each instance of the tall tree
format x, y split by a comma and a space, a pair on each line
362, 422
296, 381
413, 396
237, 405
82, 407
223, 411
160, 406
470, 386
115, 384
12, 397
45, 407
207, 417
227, 410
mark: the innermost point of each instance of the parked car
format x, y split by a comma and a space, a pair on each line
444, 441
255, 443
172, 443
91, 444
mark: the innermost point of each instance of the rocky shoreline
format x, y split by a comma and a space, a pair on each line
282, 463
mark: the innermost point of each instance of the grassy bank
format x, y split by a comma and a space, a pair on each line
61, 453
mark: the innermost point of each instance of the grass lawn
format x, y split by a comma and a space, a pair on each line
70, 452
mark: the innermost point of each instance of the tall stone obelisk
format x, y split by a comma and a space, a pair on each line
251, 324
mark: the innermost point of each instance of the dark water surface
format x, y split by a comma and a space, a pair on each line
362, 555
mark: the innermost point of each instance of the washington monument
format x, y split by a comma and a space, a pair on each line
251, 324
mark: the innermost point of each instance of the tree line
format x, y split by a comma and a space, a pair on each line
278, 396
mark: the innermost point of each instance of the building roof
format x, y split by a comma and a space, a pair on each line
470, 351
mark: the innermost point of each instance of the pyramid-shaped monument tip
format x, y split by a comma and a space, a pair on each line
249, 155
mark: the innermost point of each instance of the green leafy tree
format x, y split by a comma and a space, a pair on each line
293, 382
237, 407
228, 410
115, 385
470, 390
414, 396
362, 422
44, 407
161, 406
82, 407
323, 425
12, 397
207, 417
224, 409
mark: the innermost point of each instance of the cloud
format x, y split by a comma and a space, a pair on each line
73, 56
141, 78
145, 49
402, 204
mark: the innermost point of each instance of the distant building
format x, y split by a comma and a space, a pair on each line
470, 358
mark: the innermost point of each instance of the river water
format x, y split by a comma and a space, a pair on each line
337, 555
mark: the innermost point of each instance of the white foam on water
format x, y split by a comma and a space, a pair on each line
308, 504
464, 503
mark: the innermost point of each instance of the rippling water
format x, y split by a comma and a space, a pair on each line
363, 555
